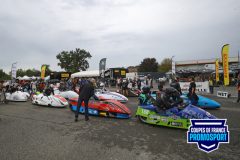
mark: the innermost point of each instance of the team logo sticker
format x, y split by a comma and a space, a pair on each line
208, 134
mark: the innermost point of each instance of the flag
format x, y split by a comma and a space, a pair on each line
225, 55
173, 67
43, 70
217, 69
14, 70
102, 64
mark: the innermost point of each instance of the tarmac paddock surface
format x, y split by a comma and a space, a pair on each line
34, 132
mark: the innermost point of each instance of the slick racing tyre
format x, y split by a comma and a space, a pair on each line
142, 119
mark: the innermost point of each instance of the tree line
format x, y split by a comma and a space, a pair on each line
151, 65
77, 60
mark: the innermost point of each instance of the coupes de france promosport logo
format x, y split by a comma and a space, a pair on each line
208, 134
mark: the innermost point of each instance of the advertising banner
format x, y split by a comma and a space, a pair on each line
173, 67
225, 55
43, 70
14, 70
200, 86
217, 70
102, 66
208, 134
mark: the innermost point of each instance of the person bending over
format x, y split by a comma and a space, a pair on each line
168, 98
175, 84
144, 97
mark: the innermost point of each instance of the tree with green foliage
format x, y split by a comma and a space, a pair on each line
148, 65
21, 72
28, 72
165, 65
74, 61
4, 76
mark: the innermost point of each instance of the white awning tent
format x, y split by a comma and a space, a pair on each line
28, 78
25, 78
87, 74
33, 77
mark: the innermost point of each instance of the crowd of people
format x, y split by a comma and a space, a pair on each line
166, 97
125, 84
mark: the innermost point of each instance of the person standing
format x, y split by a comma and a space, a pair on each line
134, 83
33, 86
139, 83
125, 87
210, 81
118, 83
191, 94
192, 87
238, 88
86, 91
149, 81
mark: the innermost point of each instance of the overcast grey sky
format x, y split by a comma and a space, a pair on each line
33, 32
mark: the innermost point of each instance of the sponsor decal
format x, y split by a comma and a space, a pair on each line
153, 121
65, 75
174, 117
222, 94
154, 117
177, 124
208, 134
92, 111
164, 119
123, 73
103, 113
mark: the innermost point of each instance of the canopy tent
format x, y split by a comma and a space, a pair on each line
26, 78
33, 77
94, 73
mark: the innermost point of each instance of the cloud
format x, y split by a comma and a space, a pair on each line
124, 31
